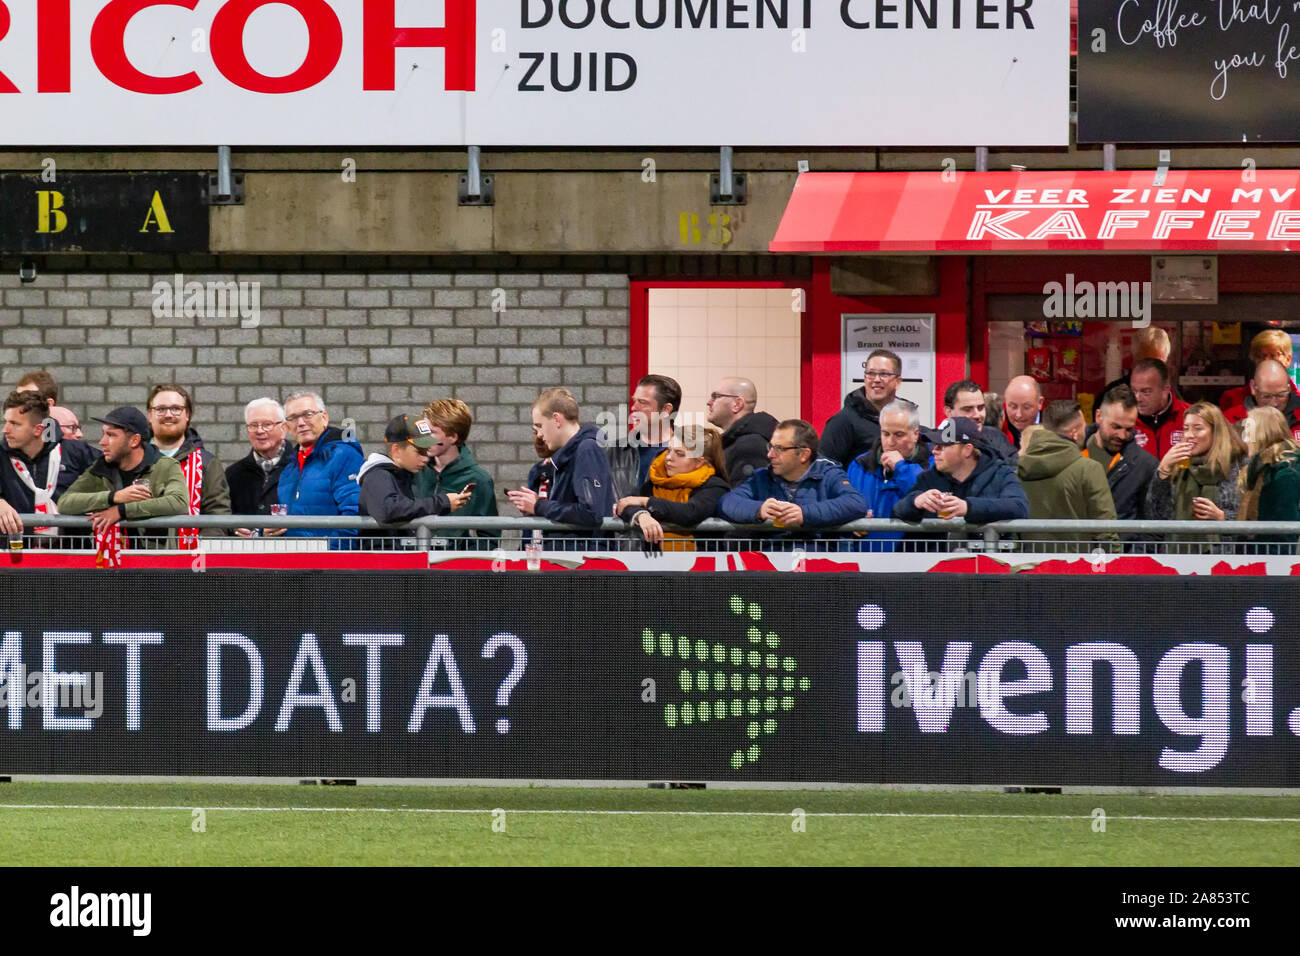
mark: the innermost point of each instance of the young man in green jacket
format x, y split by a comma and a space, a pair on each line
1058, 481
131, 481
452, 468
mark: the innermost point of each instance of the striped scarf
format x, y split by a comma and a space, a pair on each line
44, 497
192, 469
108, 547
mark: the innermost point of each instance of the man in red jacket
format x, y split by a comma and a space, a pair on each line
1160, 414
1270, 344
1270, 386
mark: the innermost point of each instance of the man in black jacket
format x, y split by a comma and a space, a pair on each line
254, 480
386, 480
965, 399
856, 427
655, 403
1128, 467
40, 466
745, 432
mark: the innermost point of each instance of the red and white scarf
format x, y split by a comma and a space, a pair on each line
192, 469
108, 547
44, 496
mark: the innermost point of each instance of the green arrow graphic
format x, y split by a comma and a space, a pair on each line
751, 683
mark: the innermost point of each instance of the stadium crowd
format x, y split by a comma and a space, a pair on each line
1146, 454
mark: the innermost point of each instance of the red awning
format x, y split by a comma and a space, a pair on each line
1193, 210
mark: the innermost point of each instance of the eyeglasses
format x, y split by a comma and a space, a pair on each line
782, 449
168, 409
301, 417
873, 373
1272, 396
714, 396
262, 426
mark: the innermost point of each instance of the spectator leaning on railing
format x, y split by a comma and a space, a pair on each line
685, 484
1197, 477
1270, 482
321, 477
966, 481
797, 491
1059, 482
130, 482
43, 466
889, 470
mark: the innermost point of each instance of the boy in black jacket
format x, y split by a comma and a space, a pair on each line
385, 480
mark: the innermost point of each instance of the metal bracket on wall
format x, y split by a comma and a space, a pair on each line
981, 159
225, 187
727, 187
1108, 157
474, 188
1163, 169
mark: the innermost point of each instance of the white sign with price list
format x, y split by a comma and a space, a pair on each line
910, 337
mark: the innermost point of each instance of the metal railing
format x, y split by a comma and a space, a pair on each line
867, 534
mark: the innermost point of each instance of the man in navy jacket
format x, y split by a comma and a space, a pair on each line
797, 489
582, 491
965, 482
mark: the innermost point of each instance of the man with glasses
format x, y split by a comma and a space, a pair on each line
856, 427
255, 479
797, 490
1271, 386
206, 491
1160, 411
745, 432
320, 478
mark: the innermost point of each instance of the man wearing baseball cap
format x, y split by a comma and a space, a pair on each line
385, 480
131, 481
965, 482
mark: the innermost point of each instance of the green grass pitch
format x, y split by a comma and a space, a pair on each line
108, 824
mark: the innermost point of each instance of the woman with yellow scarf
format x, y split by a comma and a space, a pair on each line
685, 484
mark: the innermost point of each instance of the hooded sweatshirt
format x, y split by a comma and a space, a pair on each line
583, 490
465, 470
851, 431
1061, 483
385, 495
745, 446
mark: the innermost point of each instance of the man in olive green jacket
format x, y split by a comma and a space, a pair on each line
131, 481
1058, 481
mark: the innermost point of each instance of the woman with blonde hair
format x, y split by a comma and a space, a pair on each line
684, 486
1197, 478
1270, 482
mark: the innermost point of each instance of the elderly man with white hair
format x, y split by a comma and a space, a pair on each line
320, 478
255, 479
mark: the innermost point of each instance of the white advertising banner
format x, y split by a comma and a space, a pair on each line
534, 72
910, 337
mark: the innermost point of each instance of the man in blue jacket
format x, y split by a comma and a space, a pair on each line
966, 481
889, 470
582, 491
321, 478
797, 489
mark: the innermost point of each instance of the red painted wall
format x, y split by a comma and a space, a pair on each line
823, 330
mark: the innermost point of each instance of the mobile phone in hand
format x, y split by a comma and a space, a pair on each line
468, 488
